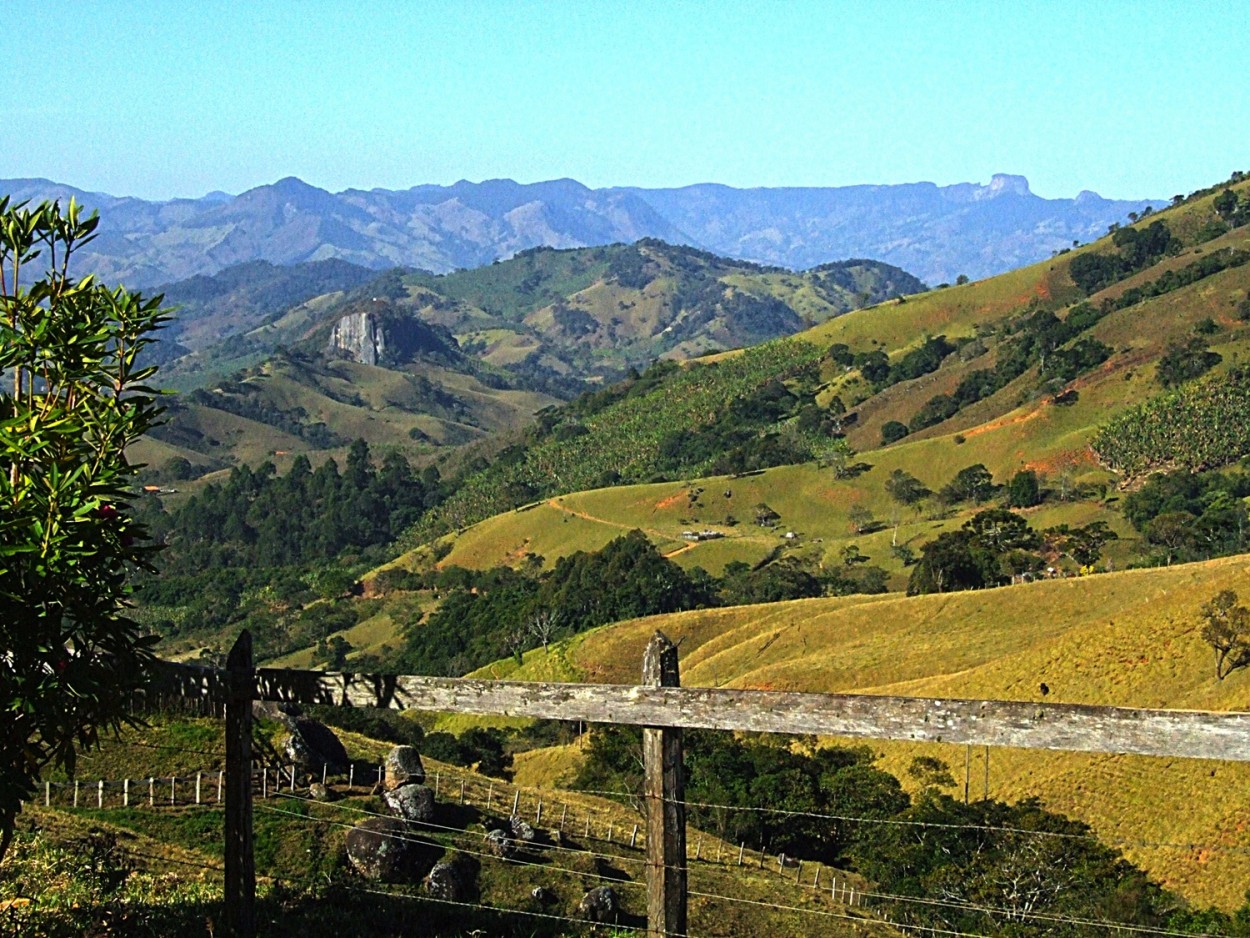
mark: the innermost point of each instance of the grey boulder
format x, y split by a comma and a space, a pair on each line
403, 767
599, 905
412, 803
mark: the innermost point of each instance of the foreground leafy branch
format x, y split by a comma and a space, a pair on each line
74, 400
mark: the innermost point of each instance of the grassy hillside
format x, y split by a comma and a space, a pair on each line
596, 311
530, 329
1016, 425
1124, 639
292, 404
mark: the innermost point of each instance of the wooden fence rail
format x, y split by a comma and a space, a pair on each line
1197, 734
664, 709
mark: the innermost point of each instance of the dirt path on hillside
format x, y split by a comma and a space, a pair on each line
553, 503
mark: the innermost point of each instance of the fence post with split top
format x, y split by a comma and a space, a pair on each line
664, 795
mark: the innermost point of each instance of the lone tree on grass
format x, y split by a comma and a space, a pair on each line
1226, 628
905, 490
74, 400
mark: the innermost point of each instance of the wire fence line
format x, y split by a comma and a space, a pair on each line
468, 788
663, 709
874, 896
551, 868
466, 842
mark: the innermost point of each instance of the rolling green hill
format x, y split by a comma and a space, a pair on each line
1029, 366
1123, 639
466, 354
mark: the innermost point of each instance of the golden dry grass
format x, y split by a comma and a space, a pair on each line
1126, 639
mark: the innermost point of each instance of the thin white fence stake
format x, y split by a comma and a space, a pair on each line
587, 834
47, 794
264, 782
351, 775
741, 849
462, 791
516, 803
99, 798
126, 793
798, 871
325, 767
173, 790
293, 778
833, 888
490, 795
719, 846
564, 812
816, 878
151, 792
75, 793
379, 775
437, 779
781, 863
609, 832
199, 778
221, 781
698, 848
633, 836
538, 813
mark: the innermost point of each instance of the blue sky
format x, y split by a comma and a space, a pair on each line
162, 99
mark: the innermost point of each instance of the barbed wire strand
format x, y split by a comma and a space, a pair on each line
988, 828
443, 827
498, 910
827, 913
408, 838
972, 907
1038, 916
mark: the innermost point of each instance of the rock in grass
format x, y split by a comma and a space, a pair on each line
382, 849
499, 844
521, 830
377, 849
313, 745
403, 767
412, 803
600, 905
319, 792
454, 879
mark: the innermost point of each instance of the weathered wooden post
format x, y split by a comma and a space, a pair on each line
240, 861
664, 794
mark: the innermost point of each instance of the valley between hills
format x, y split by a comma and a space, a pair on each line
840, 479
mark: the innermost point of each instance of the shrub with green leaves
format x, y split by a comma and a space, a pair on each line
74, 401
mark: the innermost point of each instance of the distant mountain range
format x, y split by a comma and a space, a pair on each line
936, 232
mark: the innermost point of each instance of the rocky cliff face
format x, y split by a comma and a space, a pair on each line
384, 336
360, 337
